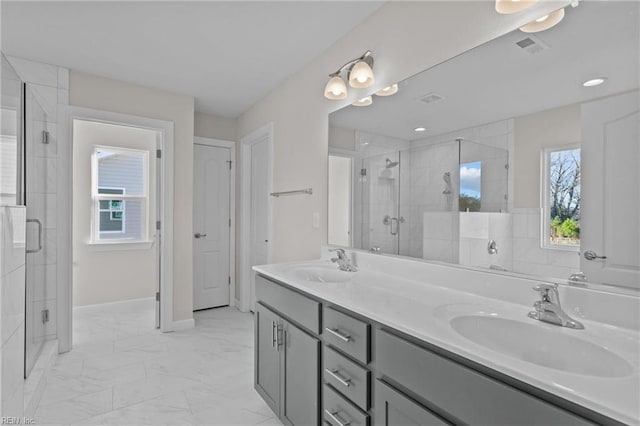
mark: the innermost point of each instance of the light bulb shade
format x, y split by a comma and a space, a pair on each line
361, 75
388, 91
363, 102
507, 7
544, 24
335, 89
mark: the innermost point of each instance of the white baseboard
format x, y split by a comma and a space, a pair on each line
184, 324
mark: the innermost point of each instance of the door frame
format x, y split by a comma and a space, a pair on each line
355, 201
219, 143
165, 173
264, 133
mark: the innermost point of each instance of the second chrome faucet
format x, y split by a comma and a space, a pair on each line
548, 308
343, 261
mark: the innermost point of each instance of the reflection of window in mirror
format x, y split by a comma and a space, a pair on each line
339, 218
470, 186
561, 226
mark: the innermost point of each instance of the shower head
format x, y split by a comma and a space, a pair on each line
447, 178
391, 164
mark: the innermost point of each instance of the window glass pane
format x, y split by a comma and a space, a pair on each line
564, 197
126, 222
121, 169
470, 186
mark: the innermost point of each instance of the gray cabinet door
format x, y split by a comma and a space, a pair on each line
267, 356
395, 409
301, 377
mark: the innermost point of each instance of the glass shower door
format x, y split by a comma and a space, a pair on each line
40, 186
381, 221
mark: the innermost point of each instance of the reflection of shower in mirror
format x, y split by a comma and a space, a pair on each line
391, 164
447, 179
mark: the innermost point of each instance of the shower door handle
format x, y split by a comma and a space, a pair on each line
39, 235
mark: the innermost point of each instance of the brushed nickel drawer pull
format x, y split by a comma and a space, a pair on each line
339, 335
334, 416
334, 373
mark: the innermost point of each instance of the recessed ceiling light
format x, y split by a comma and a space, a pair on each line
594, 82
420, 129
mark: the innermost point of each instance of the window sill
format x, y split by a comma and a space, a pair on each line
119, 245
575, 249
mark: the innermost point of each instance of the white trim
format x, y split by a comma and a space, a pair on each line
186, 324
66, 115
264, 132
117, 302
119, 245
198, 140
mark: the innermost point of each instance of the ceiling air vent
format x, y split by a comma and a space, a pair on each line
532, 45
430, 98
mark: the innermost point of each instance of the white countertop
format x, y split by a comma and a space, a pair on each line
422, 308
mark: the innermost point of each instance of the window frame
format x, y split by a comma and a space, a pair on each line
545, 213
97, 197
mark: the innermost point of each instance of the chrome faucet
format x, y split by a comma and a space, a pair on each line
343, 261
578, 277
548, 309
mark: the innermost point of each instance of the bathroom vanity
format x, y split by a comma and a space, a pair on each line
408, 342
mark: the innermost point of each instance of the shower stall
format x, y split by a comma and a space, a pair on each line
408, 201
27, 166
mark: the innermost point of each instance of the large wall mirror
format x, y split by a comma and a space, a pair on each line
509, 157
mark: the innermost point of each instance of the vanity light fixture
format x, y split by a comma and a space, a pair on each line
359, 75
366, 101
388, 91
507, 7
420, 129
335, 89
594, 82
544, 22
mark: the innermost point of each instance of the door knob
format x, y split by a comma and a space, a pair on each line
592, 255
199, 235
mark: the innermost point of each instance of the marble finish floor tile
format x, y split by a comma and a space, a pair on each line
122, 371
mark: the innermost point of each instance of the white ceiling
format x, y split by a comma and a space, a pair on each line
499, 80
228, 55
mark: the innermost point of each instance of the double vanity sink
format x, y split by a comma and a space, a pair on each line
480, 321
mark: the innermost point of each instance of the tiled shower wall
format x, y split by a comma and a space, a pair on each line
50, 86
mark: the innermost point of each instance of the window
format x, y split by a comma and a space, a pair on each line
470, 186
120, 195
112, 212
561, 217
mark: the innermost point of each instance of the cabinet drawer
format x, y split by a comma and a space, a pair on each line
299, 308
393, 409
347, 377
348, 334
338, 411
460, 393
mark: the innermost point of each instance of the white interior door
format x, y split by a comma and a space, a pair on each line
610, 193
211, 225
259, 210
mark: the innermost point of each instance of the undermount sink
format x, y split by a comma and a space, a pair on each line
323, 274
537, 344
